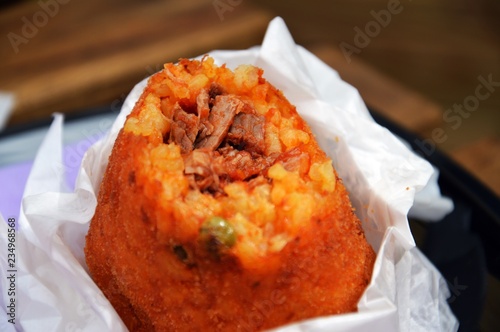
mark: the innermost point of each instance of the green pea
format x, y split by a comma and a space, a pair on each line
217, 234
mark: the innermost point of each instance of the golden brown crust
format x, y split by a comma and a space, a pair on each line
157, 278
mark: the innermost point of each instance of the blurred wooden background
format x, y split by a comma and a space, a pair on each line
416, 66
425, 59
71, 55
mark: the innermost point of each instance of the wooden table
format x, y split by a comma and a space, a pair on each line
88, 53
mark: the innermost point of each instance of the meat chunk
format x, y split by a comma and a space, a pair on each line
295, 160
203, 109
240, 165
247, 132
184, 129
198, 165
221, 117
209, 162
210, 170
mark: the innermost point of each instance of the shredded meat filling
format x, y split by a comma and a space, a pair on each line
221, 118
295, 160
223, 142
247, 133
198, 165
202, 106
240, 165
184, 129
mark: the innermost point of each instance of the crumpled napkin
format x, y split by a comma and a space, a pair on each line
55, 293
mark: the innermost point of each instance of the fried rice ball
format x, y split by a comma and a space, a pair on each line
218, 211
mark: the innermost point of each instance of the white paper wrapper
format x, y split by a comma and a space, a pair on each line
55, 293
